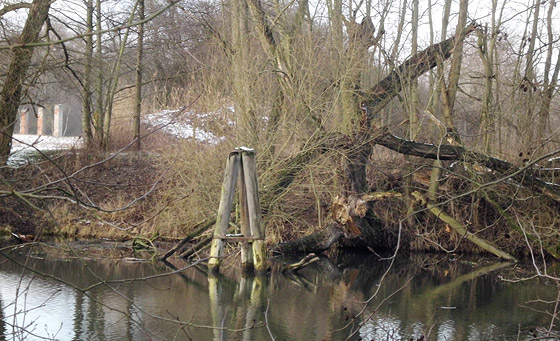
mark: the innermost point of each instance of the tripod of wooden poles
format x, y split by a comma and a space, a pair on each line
240, 170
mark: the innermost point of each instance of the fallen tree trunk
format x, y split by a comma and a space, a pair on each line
372, 229
359, 218
359, 147
525, 176
458, 227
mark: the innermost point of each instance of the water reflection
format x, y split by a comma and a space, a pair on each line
443, 300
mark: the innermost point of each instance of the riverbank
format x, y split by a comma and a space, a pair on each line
172, 190
74, 193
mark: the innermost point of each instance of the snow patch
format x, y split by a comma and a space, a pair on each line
188, 124
177, 123
24, 146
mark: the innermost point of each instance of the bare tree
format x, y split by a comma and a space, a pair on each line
99, 116
86, 91
549, 82
11, 93
138, 86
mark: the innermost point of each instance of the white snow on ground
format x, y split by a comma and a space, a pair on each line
173, 124
23, 142
25, 145
178, 123
187, 124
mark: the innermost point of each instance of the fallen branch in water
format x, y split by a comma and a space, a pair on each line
203, 226
305, 261
203, 243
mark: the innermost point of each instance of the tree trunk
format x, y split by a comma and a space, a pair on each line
138, 87
99, 116
370, 226
10, 95
528, 82
376, 98
113, 85
549, 83
412, 107
86, 91
527, 176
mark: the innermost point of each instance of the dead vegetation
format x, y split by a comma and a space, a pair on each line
174, 190
323, 125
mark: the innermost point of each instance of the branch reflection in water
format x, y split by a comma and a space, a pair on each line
438, 297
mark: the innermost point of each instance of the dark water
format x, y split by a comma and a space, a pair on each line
352, 297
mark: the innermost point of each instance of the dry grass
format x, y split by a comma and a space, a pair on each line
192, 188
189, 177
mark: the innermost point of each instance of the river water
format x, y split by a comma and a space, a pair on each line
100, 293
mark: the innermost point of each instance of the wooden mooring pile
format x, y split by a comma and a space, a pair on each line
240, 170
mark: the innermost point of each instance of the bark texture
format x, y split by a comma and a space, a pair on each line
12, 89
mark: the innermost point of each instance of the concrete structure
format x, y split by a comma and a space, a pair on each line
23, 122
40, 121
58, 121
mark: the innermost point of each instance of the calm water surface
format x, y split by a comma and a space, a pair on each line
353, 297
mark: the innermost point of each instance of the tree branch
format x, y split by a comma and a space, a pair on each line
377, 97
524, 175
13, 7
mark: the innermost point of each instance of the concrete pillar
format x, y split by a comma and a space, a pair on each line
58, 124
23, 124
40, 121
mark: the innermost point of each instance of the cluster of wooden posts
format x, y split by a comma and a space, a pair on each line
26, 116
240, 169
